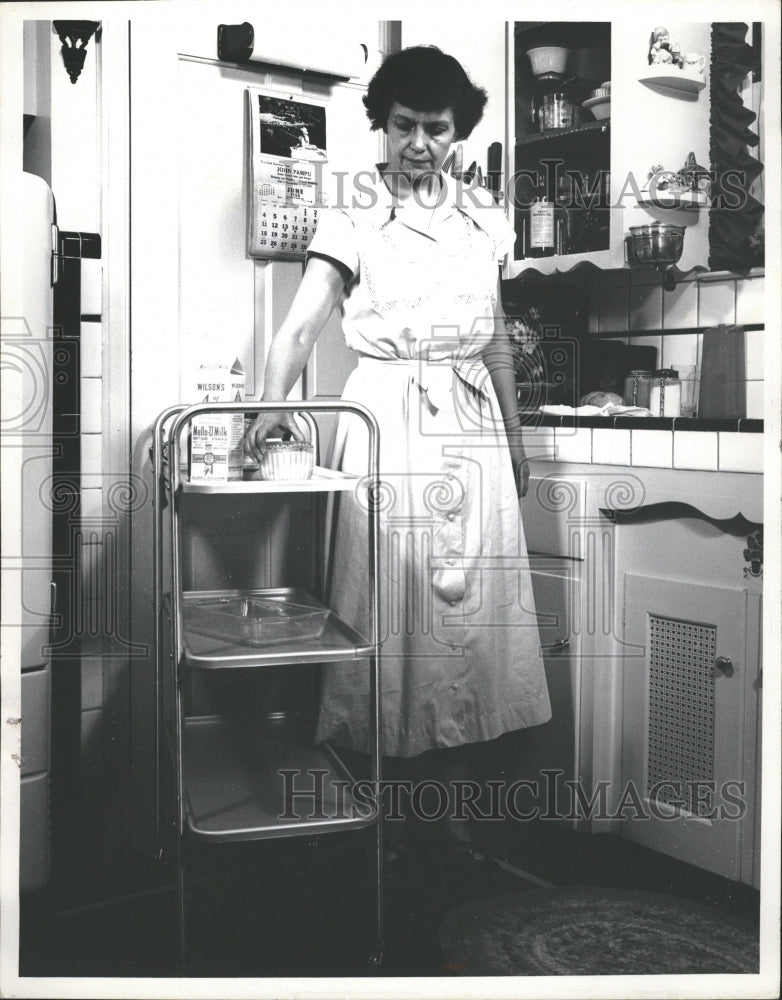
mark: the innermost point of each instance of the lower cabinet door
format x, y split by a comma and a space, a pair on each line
550, 752
684, 790
34, 832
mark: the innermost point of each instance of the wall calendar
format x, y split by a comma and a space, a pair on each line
287, 158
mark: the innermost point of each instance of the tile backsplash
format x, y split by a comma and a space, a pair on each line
623, 301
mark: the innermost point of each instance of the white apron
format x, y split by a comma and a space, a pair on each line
460, 649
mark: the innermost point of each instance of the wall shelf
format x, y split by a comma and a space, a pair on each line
563, 133
671, 78
692, 201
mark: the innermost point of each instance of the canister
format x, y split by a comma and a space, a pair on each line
558, 111
545, 84
636, 387
665, 393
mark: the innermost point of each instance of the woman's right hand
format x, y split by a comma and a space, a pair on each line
270, 424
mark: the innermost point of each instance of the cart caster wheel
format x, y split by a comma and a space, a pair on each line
374, 963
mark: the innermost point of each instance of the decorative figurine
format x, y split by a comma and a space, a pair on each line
664, 50
689, 185
669, 181
696, 177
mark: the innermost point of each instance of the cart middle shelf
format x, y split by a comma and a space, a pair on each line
217, 635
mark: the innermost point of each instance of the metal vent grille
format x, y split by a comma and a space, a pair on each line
680, 750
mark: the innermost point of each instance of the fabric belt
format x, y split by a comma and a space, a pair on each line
434, 379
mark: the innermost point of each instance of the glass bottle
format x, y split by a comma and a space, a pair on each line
542, 228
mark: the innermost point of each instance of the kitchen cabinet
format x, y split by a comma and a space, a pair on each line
648, 124
572, 159
690, 662
242, 763
663, 546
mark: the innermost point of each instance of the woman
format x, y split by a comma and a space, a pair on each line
413, 269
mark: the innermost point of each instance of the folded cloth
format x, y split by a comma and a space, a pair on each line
609, 410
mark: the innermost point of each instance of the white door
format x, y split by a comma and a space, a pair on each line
194, 290
684, 671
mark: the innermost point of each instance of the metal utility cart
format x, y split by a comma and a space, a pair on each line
229, 770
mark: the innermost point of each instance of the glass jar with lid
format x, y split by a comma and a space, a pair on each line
665, 393
546, 84
558, 111
636, 387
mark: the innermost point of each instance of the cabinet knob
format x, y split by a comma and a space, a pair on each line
724, 665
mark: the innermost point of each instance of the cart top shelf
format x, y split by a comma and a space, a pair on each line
323, 481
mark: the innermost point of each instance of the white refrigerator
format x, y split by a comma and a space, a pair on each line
28, 357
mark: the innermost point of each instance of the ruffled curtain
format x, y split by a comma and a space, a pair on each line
736, 234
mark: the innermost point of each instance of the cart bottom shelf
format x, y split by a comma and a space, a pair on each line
251, 778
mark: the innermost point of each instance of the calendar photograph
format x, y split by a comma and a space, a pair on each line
287, 152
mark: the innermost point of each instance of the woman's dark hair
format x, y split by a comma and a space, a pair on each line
423, 78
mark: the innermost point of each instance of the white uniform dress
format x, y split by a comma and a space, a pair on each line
460, 648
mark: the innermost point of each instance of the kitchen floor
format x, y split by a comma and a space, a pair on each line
292, 909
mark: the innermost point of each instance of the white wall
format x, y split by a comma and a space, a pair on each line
483, 57
654, 126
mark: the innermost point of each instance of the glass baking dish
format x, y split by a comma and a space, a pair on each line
255, 620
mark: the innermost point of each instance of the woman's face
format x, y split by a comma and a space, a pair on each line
418, 141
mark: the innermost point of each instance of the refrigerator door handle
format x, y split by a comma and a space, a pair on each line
55, 275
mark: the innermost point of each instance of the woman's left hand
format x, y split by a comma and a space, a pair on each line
520, 468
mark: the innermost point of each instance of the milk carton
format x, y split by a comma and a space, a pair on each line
222, 431
209, 449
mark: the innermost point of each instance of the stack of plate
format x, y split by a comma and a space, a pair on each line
599, 101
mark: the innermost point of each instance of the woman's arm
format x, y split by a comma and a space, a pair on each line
318, 293
498, 358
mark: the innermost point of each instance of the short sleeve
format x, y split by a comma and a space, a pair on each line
335, 238
487, 214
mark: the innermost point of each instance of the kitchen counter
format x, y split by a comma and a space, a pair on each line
739, 425
679, 443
